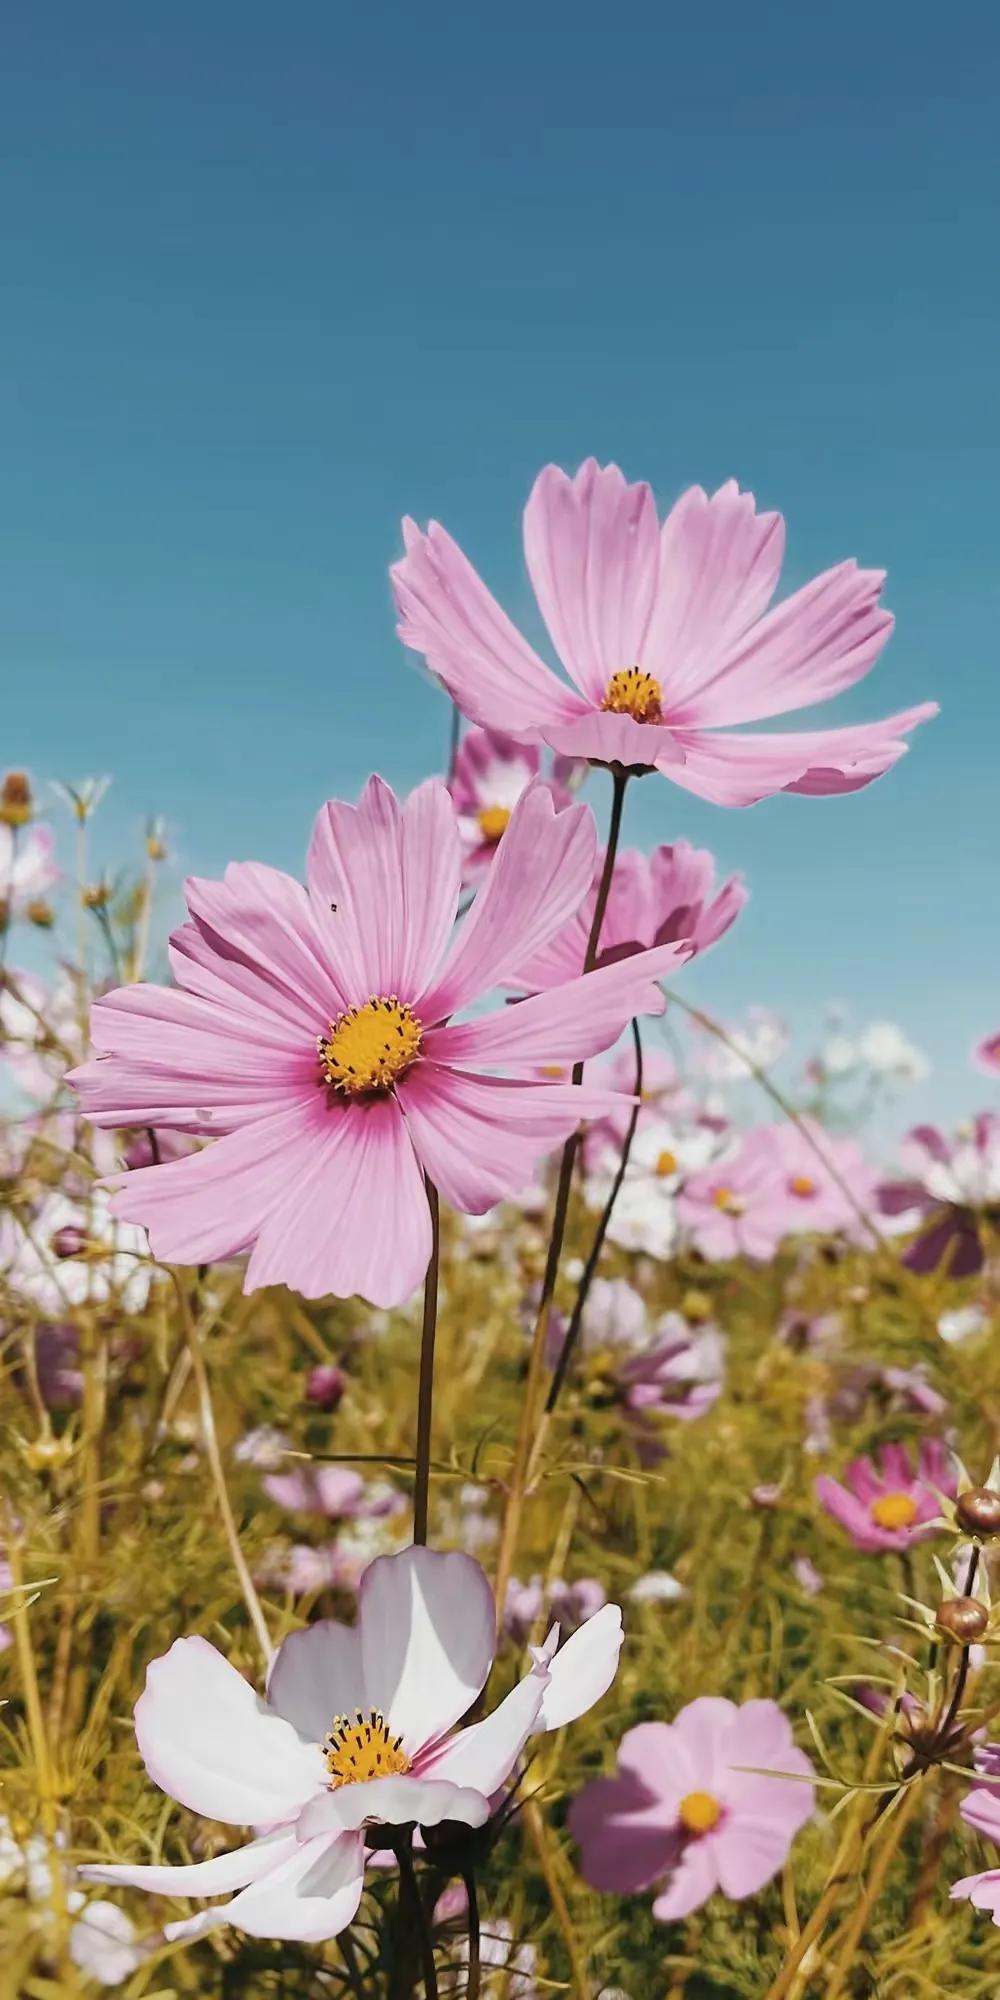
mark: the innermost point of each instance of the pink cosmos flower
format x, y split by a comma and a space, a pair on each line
812, 1182
685, 1811
986, 1054
665, 633
491, 771
736, 1207
892, 1506
311, 1032
654, 899
356, 1730
980, 1809
335, 1491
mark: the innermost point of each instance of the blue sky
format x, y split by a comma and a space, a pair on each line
272, 277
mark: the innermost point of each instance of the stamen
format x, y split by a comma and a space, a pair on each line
802, 1186
699, 1812
493, 823
363, 1749
728, 1202
369, 1048
632, 692
893, 1510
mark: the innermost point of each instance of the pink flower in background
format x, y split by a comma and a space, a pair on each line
491, 771
666, 635
684, 1813
655, 899
986, 1054
301, 1766
334, 1491
736, 1206
980, 1809
951, 1183
679, 1375
311, 1033
812, 1182
27, 865
893, 1505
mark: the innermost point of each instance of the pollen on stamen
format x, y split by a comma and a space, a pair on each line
363, 1749
633, 692
369, 1048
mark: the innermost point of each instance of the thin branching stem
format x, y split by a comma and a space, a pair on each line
425, 1393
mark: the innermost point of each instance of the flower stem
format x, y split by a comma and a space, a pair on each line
211, 1442
425, 1393
523, 1453
409, 1886
472, 1983
590, 1268
454, 739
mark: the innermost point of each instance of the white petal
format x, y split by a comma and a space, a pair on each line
402, 1801
428, 1629
313, 1895
316, 1676
208, 1740
583, 1669
216, 1877
485, 1754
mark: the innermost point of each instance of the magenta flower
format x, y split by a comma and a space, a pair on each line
689, 1810
491, 771
655, 899
980, 1809
311, 1033
357, 1730
666, 635
986, 1054
894, 1506
953, 1186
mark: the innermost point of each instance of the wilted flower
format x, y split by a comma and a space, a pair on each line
665, 633
355, 1732
690, 1808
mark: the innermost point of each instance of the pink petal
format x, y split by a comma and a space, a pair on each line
170, 1058
692, 1882
738, 770
217, 1877
485, 1754
353, 1214
749, 1851
447, 613
481, 1137
384, 885
609, 738
401, 1801
592, 548
312, 1895
428, 1629
719, 564
626, 1844
207, 1740
317, 1675
583, 1669
543, 869
256, 933
566, 1023
814, 644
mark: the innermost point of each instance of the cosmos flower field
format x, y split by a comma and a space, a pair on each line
499, 1489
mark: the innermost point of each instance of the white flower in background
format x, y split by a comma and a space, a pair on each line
265, 1447
74, 1253
971, 1177
962, 1323
41, 1034
663, 1155
658, 1586
839, 1055
760, 1041
891, 1055
82, 799
27, 864
102, 1944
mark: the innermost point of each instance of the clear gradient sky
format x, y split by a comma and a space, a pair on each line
273, 276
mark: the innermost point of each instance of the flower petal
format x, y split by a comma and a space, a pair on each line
566, 1023
693, 1881
312, 1895
209, 1742
317, 1675
583, 1669
481, 1137
401, 1801
353, 1214
217, 1877
384, 886
627, 1842
543, 868
255, 931
447, 614
428, 1629
719, 563
732, 770
485, 1754
592, 546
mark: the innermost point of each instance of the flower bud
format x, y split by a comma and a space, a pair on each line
16, 805
696, 1307
325, 1386
977, 1511
96, 896
70, 1241
963, 1619
40, 913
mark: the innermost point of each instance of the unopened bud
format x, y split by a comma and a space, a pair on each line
40, 913
70, 1241
96, 896
16, 804
696, 1307
963, 1619
156, 849
325, 1386
978, 1512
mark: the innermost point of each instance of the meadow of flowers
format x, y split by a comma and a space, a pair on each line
499, 1474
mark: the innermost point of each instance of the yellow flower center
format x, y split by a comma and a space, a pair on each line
801, 1185
699, 1812
893, 1510
666, 1163
493, 822
369, 1048
730, 1203
631, 692
362, 1749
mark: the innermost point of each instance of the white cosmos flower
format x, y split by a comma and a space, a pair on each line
662, 1156
891, 1054
115, 1261
357, 1729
